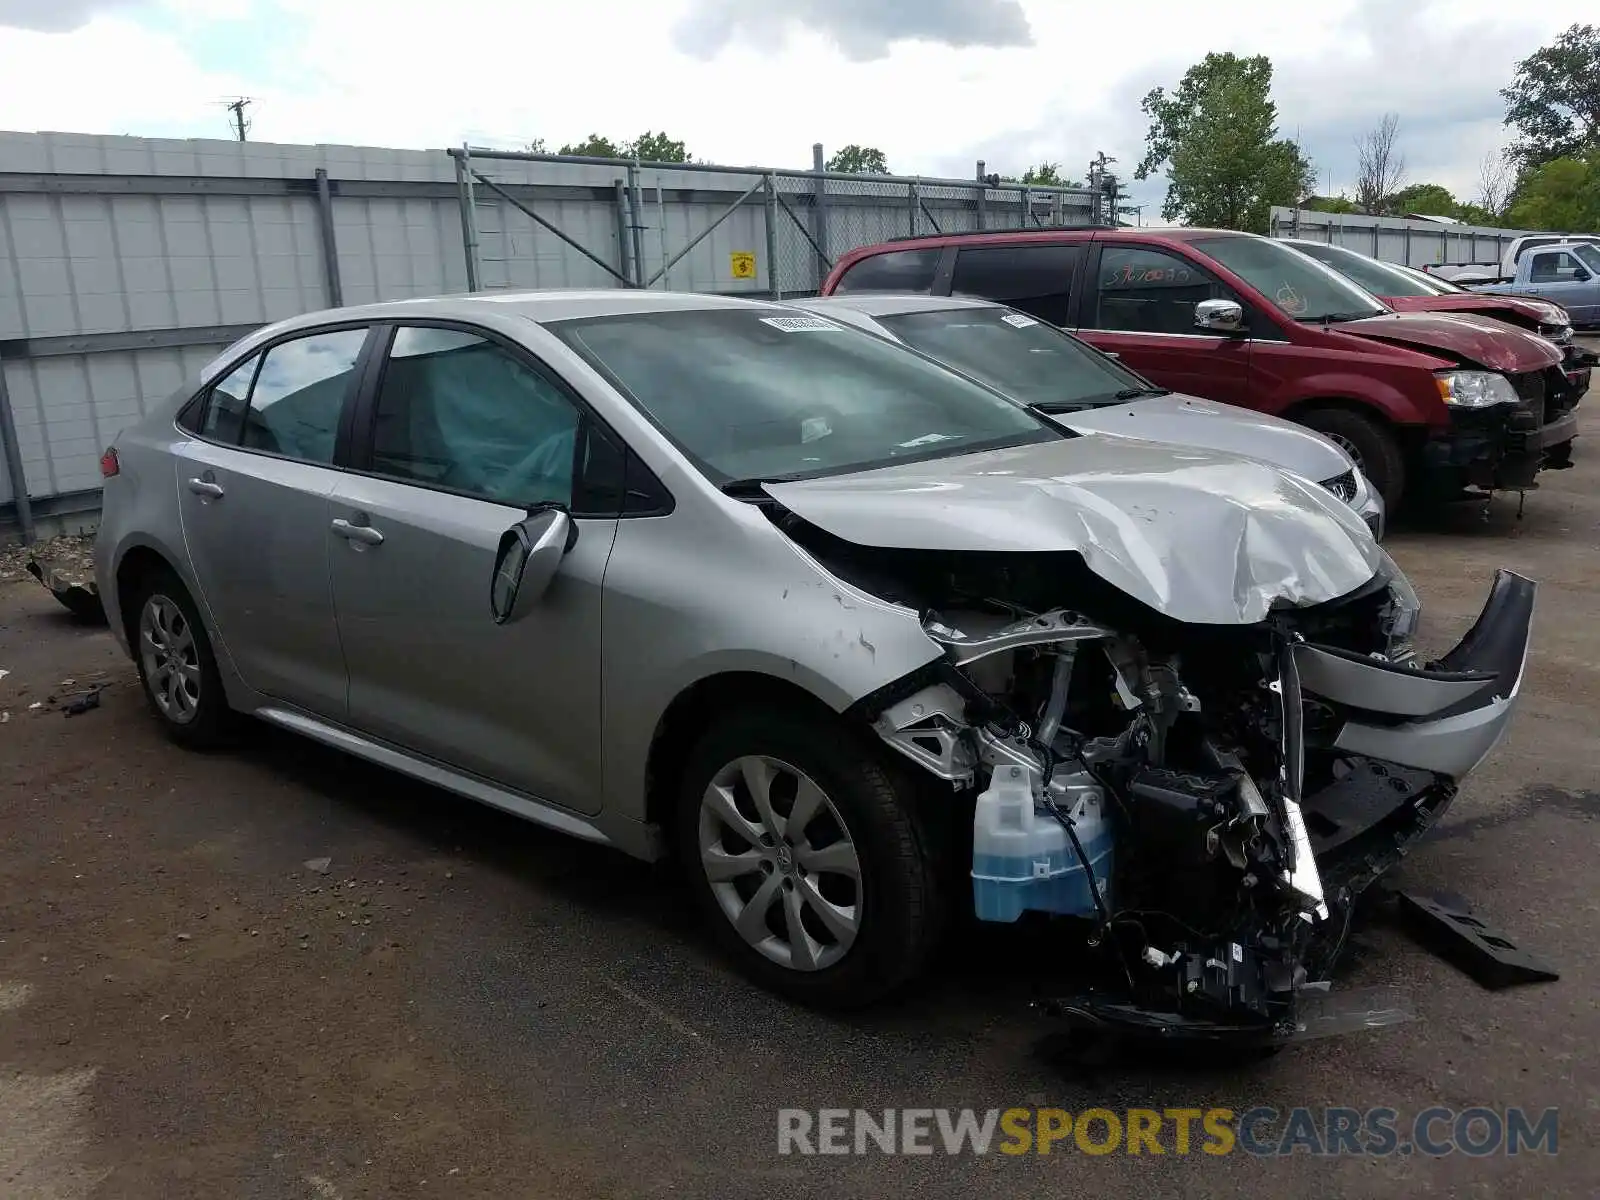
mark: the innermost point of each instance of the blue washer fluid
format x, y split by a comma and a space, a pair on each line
1023, 860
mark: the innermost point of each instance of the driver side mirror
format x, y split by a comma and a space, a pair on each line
1219, 316
530, 554
1581, 274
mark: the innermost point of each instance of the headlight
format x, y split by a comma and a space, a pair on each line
1402, 614
1475, 389
1561, 335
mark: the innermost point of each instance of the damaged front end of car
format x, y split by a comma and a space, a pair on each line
1207, 801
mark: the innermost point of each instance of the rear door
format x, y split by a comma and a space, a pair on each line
252, 493
460, 436
1138, 301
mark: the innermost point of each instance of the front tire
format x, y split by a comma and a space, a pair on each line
1371, 443
177, 667
806, 857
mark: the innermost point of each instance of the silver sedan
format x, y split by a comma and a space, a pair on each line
855, 637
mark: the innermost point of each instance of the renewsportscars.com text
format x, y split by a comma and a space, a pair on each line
1263, 1131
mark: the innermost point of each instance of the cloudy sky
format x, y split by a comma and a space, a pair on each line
936, 84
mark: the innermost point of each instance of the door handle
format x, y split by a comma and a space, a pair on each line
365, 534
205, 487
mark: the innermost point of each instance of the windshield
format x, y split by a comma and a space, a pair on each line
762, 393
1022, 357
1302, 287
1379, 278
1438, 285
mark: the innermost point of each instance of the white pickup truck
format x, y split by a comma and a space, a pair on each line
1468, 274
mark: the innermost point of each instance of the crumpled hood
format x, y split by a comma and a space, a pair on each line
1189, 421
1480, 341
1204, 537
1483, 304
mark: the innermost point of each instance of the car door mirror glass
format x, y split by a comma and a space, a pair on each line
529, 556
1219, 316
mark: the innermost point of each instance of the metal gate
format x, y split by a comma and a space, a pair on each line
544, 220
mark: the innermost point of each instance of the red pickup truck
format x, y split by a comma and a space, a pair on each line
1425, 402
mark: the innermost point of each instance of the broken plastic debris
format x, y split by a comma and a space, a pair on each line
82, 704
36, 704
1329, 1013
319, 865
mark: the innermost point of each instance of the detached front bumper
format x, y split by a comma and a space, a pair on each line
1406, 738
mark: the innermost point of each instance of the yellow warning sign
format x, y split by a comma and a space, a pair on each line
742, 264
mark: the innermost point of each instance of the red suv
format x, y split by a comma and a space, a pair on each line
1439, 401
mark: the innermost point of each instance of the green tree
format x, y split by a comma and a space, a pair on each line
593, 146
1046, 174
1217, 137
859, 160
1562, 195
647, 147
1428, 198
1332, 204
655, 147
1554, 99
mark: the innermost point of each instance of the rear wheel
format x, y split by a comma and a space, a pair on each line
177, 667
806, 857
1371, 443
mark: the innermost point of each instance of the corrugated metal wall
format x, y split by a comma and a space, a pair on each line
126, 263
1411, 243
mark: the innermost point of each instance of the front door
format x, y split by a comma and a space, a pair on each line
1139, 304
252, 495
1562, 278
465, 435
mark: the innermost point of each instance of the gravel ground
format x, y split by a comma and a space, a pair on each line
193, 1003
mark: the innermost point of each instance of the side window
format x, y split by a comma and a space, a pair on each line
299, 394
457, 411
896, 271
1553, 266
225, 406
1141, 289
1035, 279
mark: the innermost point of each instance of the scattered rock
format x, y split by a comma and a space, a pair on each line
183, 937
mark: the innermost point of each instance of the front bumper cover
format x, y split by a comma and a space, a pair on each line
1408, 737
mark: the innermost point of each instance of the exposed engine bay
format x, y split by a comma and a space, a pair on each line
1149, 780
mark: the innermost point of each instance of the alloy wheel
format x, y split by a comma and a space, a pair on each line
171, 659
781, 863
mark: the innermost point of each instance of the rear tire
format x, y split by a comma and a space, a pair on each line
177, 667
836, 912
1370, 442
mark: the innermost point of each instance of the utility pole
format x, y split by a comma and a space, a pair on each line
240, 125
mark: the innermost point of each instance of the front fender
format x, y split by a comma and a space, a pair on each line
1395, 405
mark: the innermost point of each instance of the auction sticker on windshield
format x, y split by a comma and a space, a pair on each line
1018, 321
801, 324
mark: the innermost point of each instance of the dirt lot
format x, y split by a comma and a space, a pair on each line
462, 1005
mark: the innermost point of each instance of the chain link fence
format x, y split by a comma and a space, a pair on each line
542, 220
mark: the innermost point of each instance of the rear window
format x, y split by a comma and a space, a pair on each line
896, 271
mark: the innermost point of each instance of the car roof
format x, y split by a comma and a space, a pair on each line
553, 304
888, 304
